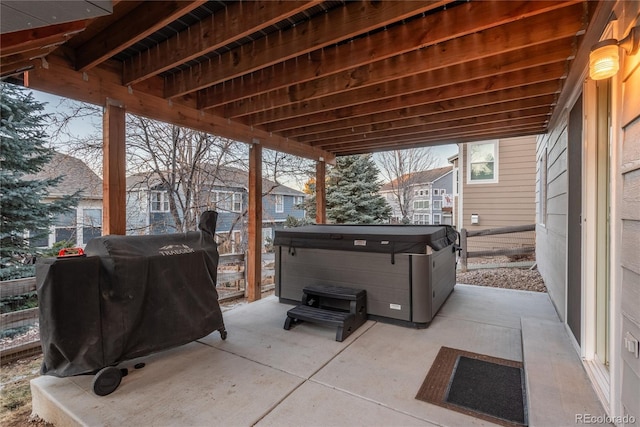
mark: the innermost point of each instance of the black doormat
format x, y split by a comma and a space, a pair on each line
482, 386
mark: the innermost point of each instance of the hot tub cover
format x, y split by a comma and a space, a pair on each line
129, 297
368, 238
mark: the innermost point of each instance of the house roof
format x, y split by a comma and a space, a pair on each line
77, 176
321, 78
418, 178
226, 176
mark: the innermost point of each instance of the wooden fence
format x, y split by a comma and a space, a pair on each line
465, 235
230, 284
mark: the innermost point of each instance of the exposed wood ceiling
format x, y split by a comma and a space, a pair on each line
322, 78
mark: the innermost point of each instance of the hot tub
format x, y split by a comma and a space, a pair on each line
408, 271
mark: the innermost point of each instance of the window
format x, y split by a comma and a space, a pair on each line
421, 204
421, 219
436, 219
226, 201
436, 192
65, 227
482, 160
39, 239
421, 192
91, 224
300, 201
426, 192
437, 204
416, 193
159, 201
279, 201
237, 202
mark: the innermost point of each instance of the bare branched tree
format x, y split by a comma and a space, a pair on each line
183, 162
399, 169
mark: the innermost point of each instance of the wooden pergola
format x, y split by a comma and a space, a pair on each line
318, 79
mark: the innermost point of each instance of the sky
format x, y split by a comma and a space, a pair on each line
85, 126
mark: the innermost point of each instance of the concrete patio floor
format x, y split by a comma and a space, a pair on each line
264, 375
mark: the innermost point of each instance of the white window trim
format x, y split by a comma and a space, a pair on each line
418, 205
236, 198
279, 203
495, 161
226, 200
421, 218
164, 200
439, 219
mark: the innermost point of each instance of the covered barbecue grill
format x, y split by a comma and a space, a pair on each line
407, 271
130, 296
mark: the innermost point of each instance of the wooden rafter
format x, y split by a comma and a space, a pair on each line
370, 83
455, 108
470, 17
38, 38
445, 135
539, 104
499, 82
318, 78
356, 18
95, 85
541, 113
209, 35
144, 20
456, 139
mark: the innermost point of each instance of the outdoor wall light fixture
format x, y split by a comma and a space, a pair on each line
604, 58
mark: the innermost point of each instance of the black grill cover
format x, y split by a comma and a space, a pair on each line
131, 296
368, 238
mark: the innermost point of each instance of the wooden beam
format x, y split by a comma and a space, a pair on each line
342, 23
321, 193
101, 82
459, 20
237, 20
313, 113
254, 253
36, 38
474, 131
16, 68
479, 111
431, 127
114, 185
369, 80
462, 106
447, 134
454, 139
404, 145
144, 20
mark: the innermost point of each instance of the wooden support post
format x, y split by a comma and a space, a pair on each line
253, 288
114, 170
321, 193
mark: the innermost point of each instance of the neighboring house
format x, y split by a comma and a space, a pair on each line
429, 192
588, 222
148, 206
495, 187
83, 222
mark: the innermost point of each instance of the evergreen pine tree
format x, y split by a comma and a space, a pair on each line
353, 192
23, 153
